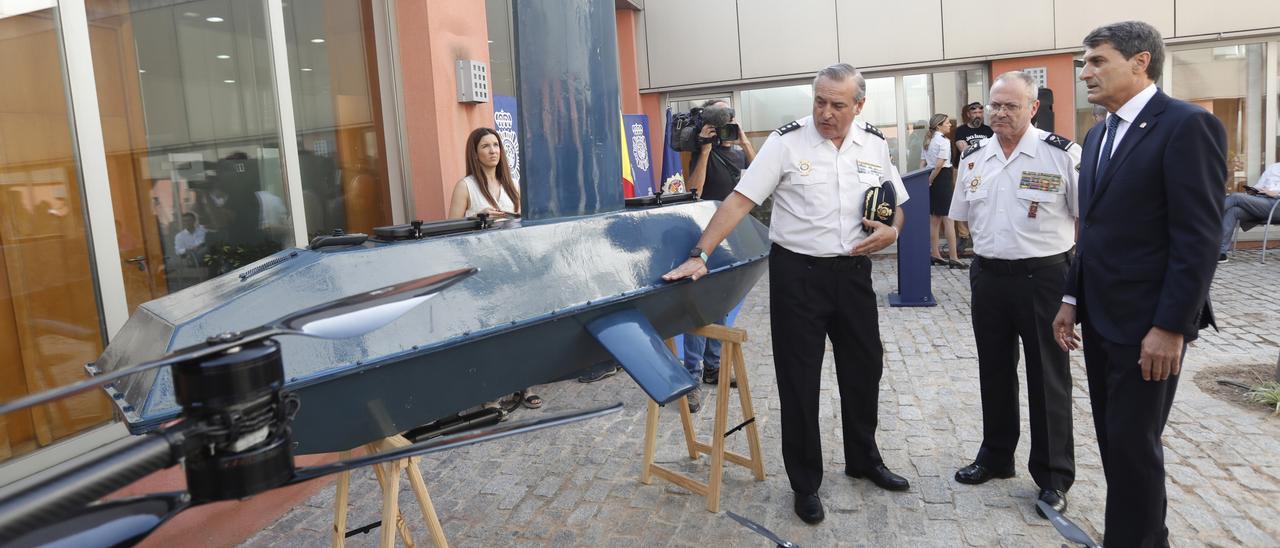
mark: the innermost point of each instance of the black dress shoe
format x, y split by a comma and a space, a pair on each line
880, 475
975, 474
1054, 498
809, 508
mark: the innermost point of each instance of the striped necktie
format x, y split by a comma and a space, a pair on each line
1113, 122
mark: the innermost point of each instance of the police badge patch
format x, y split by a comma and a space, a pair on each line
639, 147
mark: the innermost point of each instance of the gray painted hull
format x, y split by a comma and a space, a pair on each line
519, 321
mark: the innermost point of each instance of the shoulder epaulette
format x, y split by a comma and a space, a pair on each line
872, 130
969, 151
788, 128
1058, 141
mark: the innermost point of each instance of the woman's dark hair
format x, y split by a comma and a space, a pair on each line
476, 170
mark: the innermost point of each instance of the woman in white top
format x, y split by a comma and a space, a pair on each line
488, 187
937, 155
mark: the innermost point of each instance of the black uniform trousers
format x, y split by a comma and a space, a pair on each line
1015, 300
1129, 415
811, 299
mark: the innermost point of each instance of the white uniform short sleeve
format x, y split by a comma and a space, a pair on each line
939, 149
765, 172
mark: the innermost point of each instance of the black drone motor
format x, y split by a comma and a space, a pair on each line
234, 399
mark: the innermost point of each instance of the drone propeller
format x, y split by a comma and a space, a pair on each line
1068, 529
762, 531
339, 319
128, 521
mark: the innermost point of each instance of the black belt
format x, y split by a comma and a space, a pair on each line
838, 262
1021, 266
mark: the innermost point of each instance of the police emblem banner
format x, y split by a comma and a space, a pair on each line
636, 131
507, 123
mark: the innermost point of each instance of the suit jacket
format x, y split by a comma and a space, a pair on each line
1149, 226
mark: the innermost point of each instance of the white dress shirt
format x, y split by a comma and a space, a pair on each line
1127, 113
818, 190
185, 240
1270, 180
1021, 206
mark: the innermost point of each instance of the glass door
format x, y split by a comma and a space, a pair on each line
193, 143
1228, 82
49, 309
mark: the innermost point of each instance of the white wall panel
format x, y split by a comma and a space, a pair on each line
792, 37
1205, 17
692, 42
884, 33
1074, 19
642, 52
991, 27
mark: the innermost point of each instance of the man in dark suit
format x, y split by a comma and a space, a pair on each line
1151, 194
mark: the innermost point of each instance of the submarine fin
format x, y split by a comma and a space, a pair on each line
634, 342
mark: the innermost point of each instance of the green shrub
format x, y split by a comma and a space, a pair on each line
1267, 394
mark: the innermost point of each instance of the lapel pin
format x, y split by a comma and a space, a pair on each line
1142, 125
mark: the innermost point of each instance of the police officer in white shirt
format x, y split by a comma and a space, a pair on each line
1017, 190
818, 170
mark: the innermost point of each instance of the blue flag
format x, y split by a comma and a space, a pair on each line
672, 179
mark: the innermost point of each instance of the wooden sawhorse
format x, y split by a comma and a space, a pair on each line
388, 474
731, 363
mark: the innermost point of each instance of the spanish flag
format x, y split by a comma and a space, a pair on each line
628, 180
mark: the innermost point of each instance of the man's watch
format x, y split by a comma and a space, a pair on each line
698, 253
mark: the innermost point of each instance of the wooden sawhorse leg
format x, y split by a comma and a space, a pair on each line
388, 475
732, 363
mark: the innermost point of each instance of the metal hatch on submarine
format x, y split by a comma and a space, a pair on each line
574, 282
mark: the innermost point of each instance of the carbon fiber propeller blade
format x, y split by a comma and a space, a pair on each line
762, 531
1066, 527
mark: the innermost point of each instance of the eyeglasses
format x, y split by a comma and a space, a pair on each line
1011, 108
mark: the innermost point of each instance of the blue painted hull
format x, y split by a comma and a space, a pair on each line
518, 322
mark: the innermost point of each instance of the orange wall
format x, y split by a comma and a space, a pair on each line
652, 105
433, 34
628, 79
1061, 79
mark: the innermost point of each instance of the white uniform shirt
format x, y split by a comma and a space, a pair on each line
817, 190
939, 147
1022, 206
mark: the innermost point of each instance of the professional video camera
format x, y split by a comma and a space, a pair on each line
685, 127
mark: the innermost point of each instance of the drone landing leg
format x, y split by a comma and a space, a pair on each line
389, 480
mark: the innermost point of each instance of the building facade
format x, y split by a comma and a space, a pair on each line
148, 145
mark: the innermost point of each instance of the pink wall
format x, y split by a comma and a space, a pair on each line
1061, 79
433, 34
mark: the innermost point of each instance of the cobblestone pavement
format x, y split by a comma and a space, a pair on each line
579, 484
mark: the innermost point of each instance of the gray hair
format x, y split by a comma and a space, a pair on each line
840, 72
1131, 38
1033, 89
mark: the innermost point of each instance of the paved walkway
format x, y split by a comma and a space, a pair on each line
579, 485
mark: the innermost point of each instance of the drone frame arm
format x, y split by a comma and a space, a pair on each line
30, 507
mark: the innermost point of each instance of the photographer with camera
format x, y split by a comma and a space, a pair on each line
721, 155
716, 166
